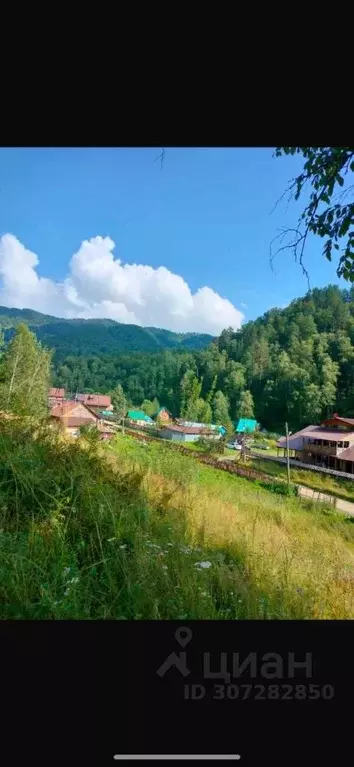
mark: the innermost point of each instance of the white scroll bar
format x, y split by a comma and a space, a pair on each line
215, 757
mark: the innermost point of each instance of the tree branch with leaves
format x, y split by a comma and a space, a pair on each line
328, 214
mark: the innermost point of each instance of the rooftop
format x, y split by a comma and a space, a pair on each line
139, 415
318, 432
63, 410
53, 392
189, 429
246, 425
347, 455
94, 400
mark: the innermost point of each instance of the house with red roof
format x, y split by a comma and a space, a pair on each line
69, 416
56, 396
96, 401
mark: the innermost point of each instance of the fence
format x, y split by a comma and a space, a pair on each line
231, 468
301, 465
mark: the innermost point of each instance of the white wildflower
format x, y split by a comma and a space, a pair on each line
67, 570
202, 565
164, 567
123, 546
66, 592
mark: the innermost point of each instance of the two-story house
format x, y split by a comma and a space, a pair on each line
331, 444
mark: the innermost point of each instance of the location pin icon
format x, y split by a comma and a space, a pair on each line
183, 636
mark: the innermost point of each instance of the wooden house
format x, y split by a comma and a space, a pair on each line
71, 415
330, 444
163, 415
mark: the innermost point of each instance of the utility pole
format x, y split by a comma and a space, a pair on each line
287, 452
123, 416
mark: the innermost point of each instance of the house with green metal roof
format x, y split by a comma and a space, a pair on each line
245, 426
139, 417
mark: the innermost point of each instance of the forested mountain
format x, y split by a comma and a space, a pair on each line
293, 364
96, 336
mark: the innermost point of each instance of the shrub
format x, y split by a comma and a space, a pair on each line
211, 446
280, 488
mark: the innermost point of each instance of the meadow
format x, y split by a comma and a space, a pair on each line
128, 531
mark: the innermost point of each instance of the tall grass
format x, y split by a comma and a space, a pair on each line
127, 531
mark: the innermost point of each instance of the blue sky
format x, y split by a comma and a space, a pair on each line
206, 216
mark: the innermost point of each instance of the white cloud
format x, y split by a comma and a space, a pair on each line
245, 306
99, 285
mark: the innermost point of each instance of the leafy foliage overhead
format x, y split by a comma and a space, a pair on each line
327, 214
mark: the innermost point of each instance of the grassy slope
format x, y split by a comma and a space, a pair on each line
324, 483
118, 532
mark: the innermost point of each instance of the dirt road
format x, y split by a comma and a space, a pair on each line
346, 507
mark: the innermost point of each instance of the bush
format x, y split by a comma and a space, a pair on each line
211, 446
280, 488
90, 433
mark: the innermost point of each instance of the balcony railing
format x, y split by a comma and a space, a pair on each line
322, 449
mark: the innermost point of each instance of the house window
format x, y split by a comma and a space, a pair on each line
346, 444
340, 444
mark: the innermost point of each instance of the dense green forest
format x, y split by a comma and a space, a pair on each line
96, 336
293, 364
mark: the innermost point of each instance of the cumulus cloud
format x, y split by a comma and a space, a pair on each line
99, 285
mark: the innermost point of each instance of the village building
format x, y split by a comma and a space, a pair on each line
245, 426
71, 415
163, 415
56, 396
95, 401
139, 418
330, 445
178, 433
210, 426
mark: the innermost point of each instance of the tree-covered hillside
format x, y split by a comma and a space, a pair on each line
96, 336
293, 364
